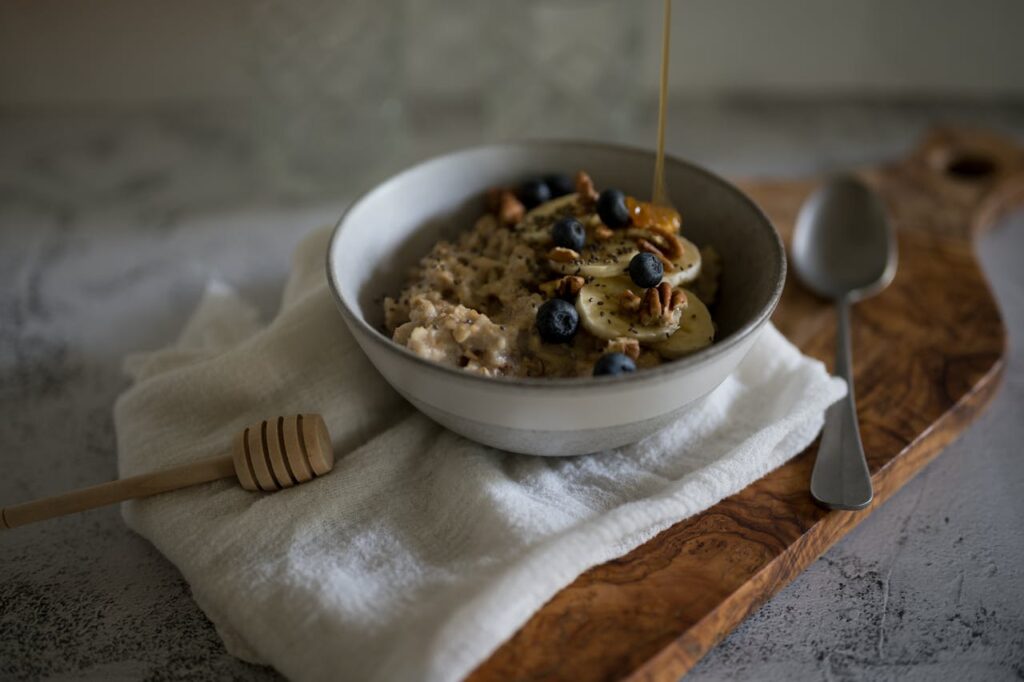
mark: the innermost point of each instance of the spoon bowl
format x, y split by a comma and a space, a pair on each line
843, 244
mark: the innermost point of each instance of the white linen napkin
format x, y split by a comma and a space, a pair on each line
422, 551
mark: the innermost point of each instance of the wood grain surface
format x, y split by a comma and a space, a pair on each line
928, 354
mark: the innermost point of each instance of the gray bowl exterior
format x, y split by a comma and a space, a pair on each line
388, 229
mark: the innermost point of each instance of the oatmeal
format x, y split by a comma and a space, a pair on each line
557, 283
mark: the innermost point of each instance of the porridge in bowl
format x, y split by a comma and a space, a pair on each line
556, 279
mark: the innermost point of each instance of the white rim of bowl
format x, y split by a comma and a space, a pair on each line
663, 371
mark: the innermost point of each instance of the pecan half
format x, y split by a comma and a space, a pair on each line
560, 254
673, 247
585, 189
669, 245
650, 307
659, 303
630, 301
679, 299
571, 285
510, 209
603, 232
664, 293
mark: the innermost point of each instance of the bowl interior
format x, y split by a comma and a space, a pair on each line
390, 228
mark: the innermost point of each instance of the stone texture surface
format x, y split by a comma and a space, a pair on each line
110, 225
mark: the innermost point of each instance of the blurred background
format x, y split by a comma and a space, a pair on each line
323, 94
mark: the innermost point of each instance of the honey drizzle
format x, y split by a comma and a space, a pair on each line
659, 195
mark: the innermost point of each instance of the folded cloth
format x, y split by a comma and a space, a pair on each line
422, 551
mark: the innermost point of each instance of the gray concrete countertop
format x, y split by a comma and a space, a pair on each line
110, 227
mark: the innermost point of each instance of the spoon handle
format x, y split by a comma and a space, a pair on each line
840, 479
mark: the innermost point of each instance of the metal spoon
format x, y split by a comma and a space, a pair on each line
844, 249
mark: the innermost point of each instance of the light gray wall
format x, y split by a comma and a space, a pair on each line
138, 52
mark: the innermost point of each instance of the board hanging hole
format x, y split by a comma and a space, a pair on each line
970, 166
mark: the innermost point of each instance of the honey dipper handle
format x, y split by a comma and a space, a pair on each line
118, 491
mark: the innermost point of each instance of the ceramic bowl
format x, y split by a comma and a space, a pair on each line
389, 228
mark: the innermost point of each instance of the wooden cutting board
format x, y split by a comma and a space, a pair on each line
928, 354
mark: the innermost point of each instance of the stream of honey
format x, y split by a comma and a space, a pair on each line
658, 194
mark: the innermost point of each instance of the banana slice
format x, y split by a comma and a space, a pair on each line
687, 266
608, 258
599, 304
696, 330
535, 227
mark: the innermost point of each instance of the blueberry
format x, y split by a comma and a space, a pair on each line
569, 233
614, 363
533, 193
611, 207
646, 270
557, 321
559, 184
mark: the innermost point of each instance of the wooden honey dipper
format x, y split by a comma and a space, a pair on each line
273, 454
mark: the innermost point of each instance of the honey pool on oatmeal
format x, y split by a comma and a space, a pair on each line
556, 279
